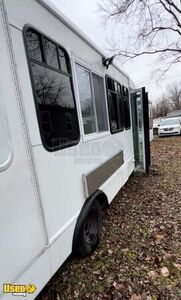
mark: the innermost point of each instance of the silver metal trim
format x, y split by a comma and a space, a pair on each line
94, 179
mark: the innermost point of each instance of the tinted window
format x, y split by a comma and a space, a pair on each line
33, 41
100, 103
63, 62
127, 113
86, 99
51, 54
69, 121
110, 84
116, 105
115, 87
54, 99
119, 89
113, 111
121, 112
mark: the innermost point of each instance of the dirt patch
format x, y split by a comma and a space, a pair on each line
139, 256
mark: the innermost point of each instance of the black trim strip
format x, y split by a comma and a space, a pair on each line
146, 129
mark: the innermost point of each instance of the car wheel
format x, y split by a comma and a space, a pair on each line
90, 230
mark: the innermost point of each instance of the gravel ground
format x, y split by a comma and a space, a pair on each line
139, 256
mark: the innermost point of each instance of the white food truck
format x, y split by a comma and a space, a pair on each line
72, 130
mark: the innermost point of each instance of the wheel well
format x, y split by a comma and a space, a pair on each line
102, 199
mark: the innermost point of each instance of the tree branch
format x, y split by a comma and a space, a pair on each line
130, 54
147, 25
170, 12
160, 29
171, 3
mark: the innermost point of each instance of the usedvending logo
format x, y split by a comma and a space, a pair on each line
19, 289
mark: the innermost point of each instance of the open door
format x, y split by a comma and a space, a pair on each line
140, 121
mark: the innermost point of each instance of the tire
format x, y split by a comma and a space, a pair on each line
90, 230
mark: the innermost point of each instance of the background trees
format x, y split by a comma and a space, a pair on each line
171, 100
151, 27
148, 27
174, 96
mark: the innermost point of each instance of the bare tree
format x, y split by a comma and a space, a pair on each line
151, 26
171, 100
161, 107
155, 110
174, 96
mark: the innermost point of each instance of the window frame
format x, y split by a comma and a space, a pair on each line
126, 95
26, 28
128, 101
123, 99
96, 134
117, 94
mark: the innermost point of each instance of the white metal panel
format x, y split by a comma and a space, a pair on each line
60, 173
21, 228
45, 265
6, 152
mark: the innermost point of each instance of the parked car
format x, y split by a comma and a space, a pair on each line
169, 126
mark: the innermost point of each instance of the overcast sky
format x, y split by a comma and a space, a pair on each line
84, 14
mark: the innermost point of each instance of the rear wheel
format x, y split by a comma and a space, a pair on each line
90, 230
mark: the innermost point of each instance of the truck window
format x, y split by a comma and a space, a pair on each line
86, 99
127, 109
99, 95
52, 84
116, 106
92, 100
